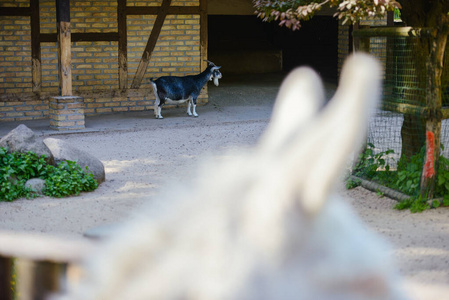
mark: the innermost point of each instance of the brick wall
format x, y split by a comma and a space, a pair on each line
94, 64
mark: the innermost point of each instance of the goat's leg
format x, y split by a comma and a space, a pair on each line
189, 104
194, 107
155, 109
159, 109
158, 106
157, 102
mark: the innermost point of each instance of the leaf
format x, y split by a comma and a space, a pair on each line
435, 203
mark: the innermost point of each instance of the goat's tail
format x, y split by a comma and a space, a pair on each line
153, 83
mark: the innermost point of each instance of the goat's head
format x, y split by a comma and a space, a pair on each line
215, 73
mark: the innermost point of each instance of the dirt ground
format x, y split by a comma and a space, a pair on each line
143, 155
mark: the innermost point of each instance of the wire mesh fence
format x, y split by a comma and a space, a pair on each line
395, 150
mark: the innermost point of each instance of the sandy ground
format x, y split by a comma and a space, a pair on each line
143, 155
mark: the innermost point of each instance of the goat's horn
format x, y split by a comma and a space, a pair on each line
210, 63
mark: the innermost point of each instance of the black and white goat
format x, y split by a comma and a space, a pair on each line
177, 90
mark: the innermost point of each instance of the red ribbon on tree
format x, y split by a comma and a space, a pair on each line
429, 169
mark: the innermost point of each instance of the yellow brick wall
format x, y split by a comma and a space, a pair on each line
15, 55
94, 64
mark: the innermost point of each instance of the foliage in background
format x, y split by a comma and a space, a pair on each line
65, 179
428, 53
406, 178
291, 13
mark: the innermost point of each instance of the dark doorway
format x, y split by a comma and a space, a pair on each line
249, 43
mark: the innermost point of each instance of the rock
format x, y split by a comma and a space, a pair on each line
63, 151
22, 139
36, 184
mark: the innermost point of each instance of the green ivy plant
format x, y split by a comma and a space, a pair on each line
65, 179
406, 178
409, 174
373, 166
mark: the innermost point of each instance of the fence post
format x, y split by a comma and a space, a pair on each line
5, 278
361, 43
434, 103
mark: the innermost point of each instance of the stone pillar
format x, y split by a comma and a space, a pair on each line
67, 113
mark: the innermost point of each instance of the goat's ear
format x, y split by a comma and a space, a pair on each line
300, 97
321, 150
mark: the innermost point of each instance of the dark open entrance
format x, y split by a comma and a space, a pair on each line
245, 45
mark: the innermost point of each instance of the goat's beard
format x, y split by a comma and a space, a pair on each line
216, 81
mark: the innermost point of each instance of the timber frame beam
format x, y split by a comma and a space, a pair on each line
121, 36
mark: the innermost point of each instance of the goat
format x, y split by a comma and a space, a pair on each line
261, 224
175, 89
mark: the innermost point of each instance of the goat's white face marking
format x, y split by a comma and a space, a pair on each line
216, 74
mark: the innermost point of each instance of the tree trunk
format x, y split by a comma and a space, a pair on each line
432, 15
413, 131
434, 65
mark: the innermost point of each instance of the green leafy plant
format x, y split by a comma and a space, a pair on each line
415, 204
409, 174
380, 194
406, 178
352, 183
372, 165
68, 179
442, 184
63, 180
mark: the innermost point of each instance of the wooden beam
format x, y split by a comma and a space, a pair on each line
5, 278
46, 279
15, 11
48, 37
64, 47
390, 18
203, 34
154, 10
35, 47
122, 45
45, 96
392, 31
82, 37
152, 40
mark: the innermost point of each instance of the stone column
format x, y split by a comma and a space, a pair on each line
67, 113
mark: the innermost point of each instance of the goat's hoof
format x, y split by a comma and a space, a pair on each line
159, 117
195, 116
